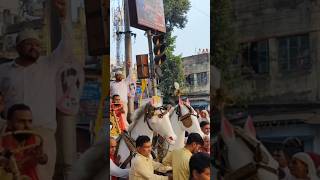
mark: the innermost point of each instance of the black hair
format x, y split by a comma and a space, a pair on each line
195, 138
115, 95
17, 107
199, 162
204, 123
141, 140
292, 145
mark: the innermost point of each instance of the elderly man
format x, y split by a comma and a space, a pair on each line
30, 79
120, 87
206, 144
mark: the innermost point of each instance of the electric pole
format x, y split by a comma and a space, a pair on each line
153, 78
128, 52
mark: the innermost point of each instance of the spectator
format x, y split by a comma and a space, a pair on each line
199, 165
204, 116
143, 166
205, 127
115, 171
206, 146
179, 159
291, 146
282, 159
30, 79
118, 108
302, 167
20, 118
120, 87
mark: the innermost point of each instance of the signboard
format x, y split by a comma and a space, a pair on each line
98, 25
147, 15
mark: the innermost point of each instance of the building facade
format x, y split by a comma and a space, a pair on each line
279, 60
197, 73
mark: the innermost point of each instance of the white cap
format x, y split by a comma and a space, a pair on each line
119, 73
26, 34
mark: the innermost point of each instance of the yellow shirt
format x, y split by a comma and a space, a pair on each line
142, 168
179, 160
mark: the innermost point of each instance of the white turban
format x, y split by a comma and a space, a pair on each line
26, 34
304, 157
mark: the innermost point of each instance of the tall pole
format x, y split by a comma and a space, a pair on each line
128, 52
153, 78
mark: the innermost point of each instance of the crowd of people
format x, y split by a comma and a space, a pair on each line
180, 162
294, 163
190, 162
186, 163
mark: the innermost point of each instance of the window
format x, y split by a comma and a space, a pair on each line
294, 53
202, 78
256, 56
190, 79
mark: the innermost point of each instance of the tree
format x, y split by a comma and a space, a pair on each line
172, 70
224, 40
176, 13
225, 49
176, 17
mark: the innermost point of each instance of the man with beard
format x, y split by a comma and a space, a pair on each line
19, 119
120, 87
31, 79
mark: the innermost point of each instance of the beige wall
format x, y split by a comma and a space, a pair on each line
261, 20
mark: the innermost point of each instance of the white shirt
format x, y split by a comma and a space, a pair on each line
35, 84
121, 88
118, 172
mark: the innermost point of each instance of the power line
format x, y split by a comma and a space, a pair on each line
200, 11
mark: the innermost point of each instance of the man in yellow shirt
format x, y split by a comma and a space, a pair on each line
179, 158
143, 166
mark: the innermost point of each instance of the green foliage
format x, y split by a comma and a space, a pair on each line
225, 49
172, 69
224, 39
176, 13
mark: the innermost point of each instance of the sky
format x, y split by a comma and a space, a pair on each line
195, 35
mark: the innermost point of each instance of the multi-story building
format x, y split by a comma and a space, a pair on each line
280, 58
197, 73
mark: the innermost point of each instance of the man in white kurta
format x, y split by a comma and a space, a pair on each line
30, 79
143, 166
120, 87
